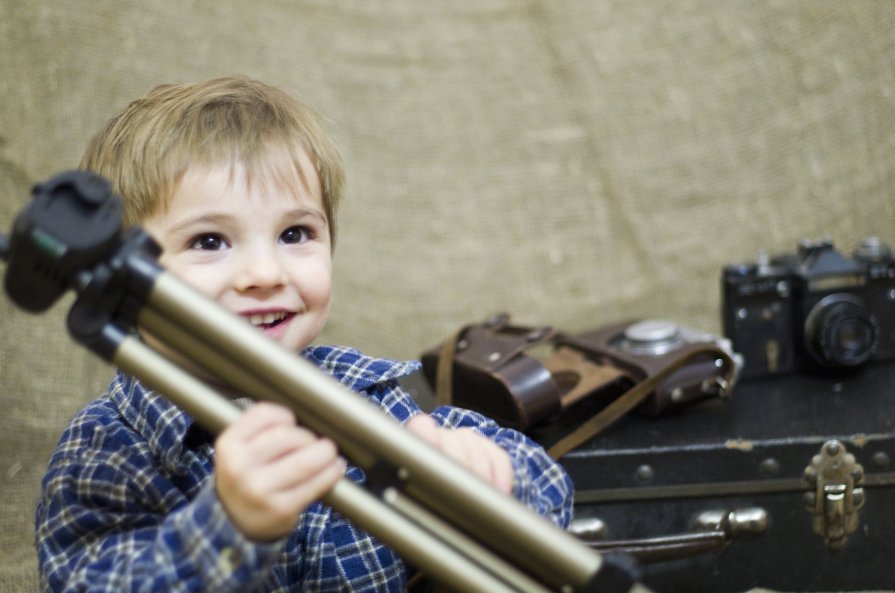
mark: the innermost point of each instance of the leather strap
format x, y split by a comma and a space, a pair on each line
444, 388
627, 402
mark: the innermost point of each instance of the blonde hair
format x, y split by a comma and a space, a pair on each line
145, 149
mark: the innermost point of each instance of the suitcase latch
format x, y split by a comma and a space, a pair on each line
835, 494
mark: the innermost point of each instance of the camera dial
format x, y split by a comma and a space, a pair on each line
840, 331
872, 250
651, 337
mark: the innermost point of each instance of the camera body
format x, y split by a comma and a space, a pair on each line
641, 349
812, 310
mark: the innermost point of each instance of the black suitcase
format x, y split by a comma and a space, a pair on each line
787, 485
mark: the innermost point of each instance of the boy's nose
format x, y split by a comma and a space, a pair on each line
259, 269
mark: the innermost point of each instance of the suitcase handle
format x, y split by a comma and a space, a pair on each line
713, 531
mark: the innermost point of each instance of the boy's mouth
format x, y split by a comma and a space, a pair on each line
268, 320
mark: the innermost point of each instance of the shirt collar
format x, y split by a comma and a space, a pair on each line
356, 370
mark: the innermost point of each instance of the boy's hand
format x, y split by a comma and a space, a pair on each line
268, 470
473, 451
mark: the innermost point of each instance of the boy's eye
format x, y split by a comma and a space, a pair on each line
296, 234
208, 242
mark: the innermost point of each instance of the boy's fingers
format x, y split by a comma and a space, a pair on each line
501, 469
279, 511
319, 484
257, 418
468, 448
423, 426
486, 459
301, 465
279, 440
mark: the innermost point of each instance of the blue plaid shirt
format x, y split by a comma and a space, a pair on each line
128, 503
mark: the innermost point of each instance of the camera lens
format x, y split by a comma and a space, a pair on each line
840, 331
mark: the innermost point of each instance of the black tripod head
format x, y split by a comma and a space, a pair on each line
72, 222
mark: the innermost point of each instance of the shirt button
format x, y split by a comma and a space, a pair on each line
228, 561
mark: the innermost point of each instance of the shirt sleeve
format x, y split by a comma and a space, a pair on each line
109, 522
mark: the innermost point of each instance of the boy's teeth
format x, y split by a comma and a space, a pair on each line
265, 318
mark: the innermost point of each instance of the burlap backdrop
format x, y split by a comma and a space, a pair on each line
572, 162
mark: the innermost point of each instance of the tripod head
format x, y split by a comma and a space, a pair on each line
73, 222
71, 236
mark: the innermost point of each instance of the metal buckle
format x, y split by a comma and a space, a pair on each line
836, 495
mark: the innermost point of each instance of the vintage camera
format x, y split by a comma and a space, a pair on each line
529, 377
812, 310
707, 365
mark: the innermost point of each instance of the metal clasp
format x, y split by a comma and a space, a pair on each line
836, 495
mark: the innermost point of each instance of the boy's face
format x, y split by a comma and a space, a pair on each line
262, 250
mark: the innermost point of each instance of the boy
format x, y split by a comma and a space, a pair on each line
239, 185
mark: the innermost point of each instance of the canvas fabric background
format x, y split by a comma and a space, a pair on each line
573, 162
